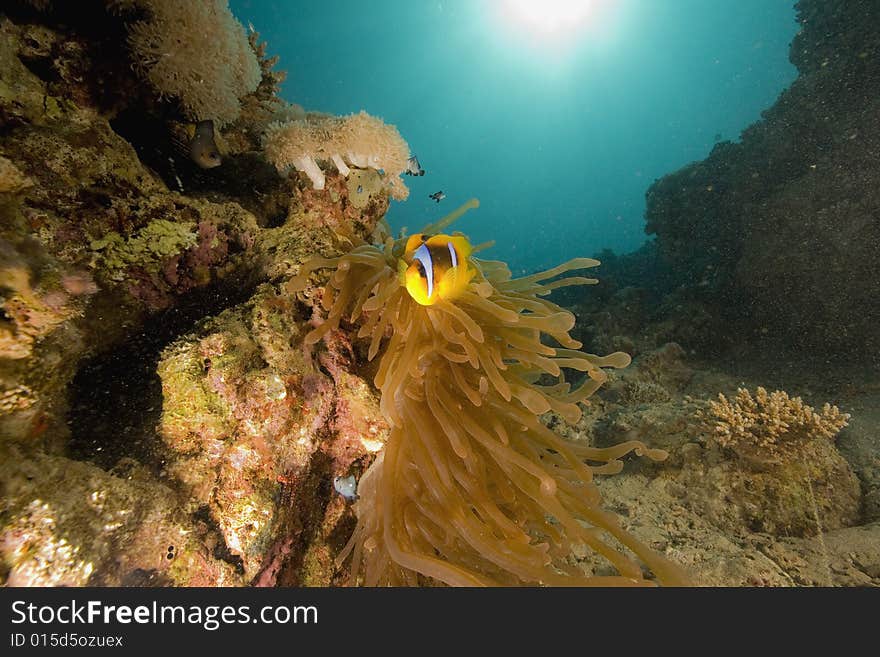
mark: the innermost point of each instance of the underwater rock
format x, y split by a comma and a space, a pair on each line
205, 244
783, 220
110, 248
718, 557
69, 523
647, 402
614, 322
844, 557
92, 241
859, 445
256, 433
737, 519
785, 476
663, 368
652, 510
342, 208
641, 317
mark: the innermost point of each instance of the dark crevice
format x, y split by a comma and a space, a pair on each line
93, 46
221, 550
312, 491
116, 396
42, 68
276, 221
247, 178
151, 138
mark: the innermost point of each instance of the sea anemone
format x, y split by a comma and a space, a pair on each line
472, 488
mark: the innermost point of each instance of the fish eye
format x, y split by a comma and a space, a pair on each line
424, 238
214, 155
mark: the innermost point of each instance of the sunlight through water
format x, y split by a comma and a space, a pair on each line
553, 24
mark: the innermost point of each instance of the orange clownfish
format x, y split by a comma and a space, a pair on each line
435, 267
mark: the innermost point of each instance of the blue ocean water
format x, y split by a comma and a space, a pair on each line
556, 114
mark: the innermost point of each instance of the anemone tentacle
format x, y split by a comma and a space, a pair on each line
472, 488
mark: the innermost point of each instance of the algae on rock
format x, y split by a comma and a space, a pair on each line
153, 244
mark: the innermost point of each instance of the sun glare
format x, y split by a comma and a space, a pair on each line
550, 21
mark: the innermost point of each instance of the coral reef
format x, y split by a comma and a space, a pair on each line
69, 523
359, 140
164, 420
93, 243
762, 267
770, 425
208, 75
793, 481
247, 421
733, 517
104, 271
11, 179
759, 463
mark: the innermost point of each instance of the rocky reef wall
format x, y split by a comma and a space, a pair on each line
147, 437
778, 233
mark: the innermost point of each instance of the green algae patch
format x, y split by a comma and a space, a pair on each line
192, 411
149, 248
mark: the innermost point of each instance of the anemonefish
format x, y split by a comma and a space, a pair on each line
435, 267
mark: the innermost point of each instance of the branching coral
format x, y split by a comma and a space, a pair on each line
358, 140
770, 466
472, 489
772, 422
196, 52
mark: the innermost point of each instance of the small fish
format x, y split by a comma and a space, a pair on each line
437, 196
413, 168
202, 148
347, 487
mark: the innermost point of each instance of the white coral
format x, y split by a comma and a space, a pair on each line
198, 53
357, 140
